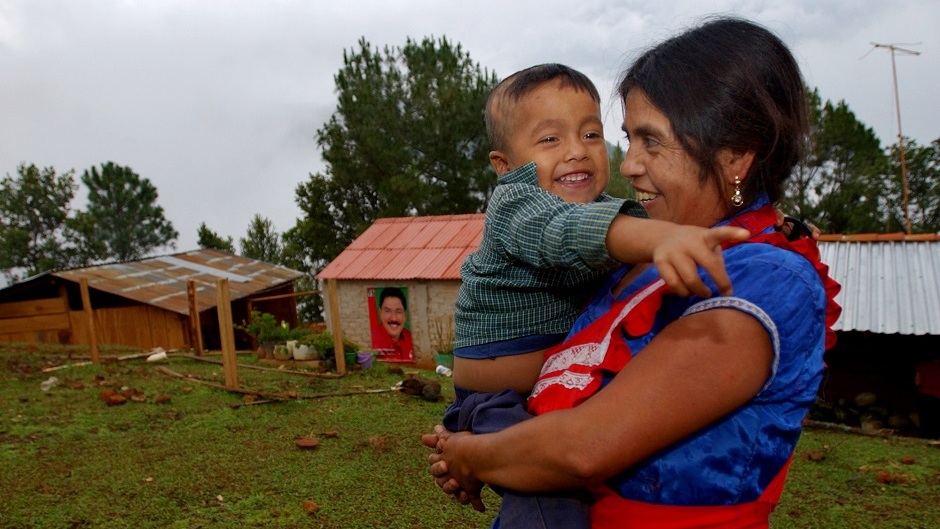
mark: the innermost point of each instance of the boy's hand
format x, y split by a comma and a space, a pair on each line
683, 248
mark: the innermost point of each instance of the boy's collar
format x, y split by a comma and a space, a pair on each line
520, 175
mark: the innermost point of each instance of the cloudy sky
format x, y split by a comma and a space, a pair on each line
218, 102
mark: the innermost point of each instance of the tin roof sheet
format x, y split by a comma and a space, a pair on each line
890, 282
162, 281
405, 248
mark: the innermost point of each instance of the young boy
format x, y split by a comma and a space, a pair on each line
550, 235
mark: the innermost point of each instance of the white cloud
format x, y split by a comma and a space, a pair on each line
218, 102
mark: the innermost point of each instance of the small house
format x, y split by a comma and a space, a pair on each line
152, 302
417, 256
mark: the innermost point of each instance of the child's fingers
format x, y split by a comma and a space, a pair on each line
693, 281
721, 279
672, 278
727, 233
714, 265
681, 274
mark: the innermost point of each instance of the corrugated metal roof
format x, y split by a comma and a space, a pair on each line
408, 248
890, 282
162, 281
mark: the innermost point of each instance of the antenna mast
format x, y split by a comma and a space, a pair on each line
897, 107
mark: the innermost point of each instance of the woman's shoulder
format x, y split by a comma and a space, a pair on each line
758, 256
782, 283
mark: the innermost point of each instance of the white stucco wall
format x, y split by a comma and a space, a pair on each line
430, 310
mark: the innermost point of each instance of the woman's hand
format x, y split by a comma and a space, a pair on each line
439, 469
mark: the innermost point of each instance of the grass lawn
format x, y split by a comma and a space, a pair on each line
184, 455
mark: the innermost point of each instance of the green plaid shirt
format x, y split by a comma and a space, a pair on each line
540, 260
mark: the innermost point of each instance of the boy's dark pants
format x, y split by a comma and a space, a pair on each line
492, 412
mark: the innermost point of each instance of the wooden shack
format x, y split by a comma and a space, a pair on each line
145, 303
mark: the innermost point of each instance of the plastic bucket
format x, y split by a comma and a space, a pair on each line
365, 359
350, 358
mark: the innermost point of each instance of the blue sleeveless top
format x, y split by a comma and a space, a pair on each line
732, 460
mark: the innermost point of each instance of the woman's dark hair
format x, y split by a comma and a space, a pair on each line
729, 84
393, 292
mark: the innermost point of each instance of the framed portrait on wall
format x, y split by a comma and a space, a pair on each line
390, 326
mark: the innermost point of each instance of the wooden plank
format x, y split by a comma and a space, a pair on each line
90, 319
158, 335
31, 337
226, 334
281, 296
49, 322
177, 330
124, 326
337, 328
36, 307
195, 327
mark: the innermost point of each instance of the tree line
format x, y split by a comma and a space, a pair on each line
408, 138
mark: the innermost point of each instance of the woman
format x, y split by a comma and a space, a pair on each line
683, 412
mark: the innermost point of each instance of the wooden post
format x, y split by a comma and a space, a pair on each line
226, 333
89, 320
336, 329
195, 327
66, 336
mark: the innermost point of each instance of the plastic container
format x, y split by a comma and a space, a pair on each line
49, 383
365, 359
444, 370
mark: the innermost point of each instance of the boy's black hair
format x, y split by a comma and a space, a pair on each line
522, 83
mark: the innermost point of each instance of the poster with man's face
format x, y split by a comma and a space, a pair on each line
388, 318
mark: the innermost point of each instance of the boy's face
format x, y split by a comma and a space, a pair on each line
560, 129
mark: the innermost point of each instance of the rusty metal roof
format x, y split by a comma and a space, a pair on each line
162, 281
408, 248
890, 282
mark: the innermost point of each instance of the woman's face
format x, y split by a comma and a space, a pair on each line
664, 176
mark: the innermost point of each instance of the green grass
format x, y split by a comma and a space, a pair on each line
199, 461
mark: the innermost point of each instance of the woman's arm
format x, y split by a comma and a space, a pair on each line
697, 369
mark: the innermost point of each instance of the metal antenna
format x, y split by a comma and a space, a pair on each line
897, 107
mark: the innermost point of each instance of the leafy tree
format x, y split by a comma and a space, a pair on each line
799, 196
837, 186
122, 208
407, 138
619, 185
84, 245
34, 211
210, 239
850, 157
262, 241
923, 177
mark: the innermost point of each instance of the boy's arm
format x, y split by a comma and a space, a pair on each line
676, 250
536, 227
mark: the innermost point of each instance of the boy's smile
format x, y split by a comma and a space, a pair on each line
560, 129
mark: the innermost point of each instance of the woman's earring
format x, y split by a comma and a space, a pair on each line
737, 199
